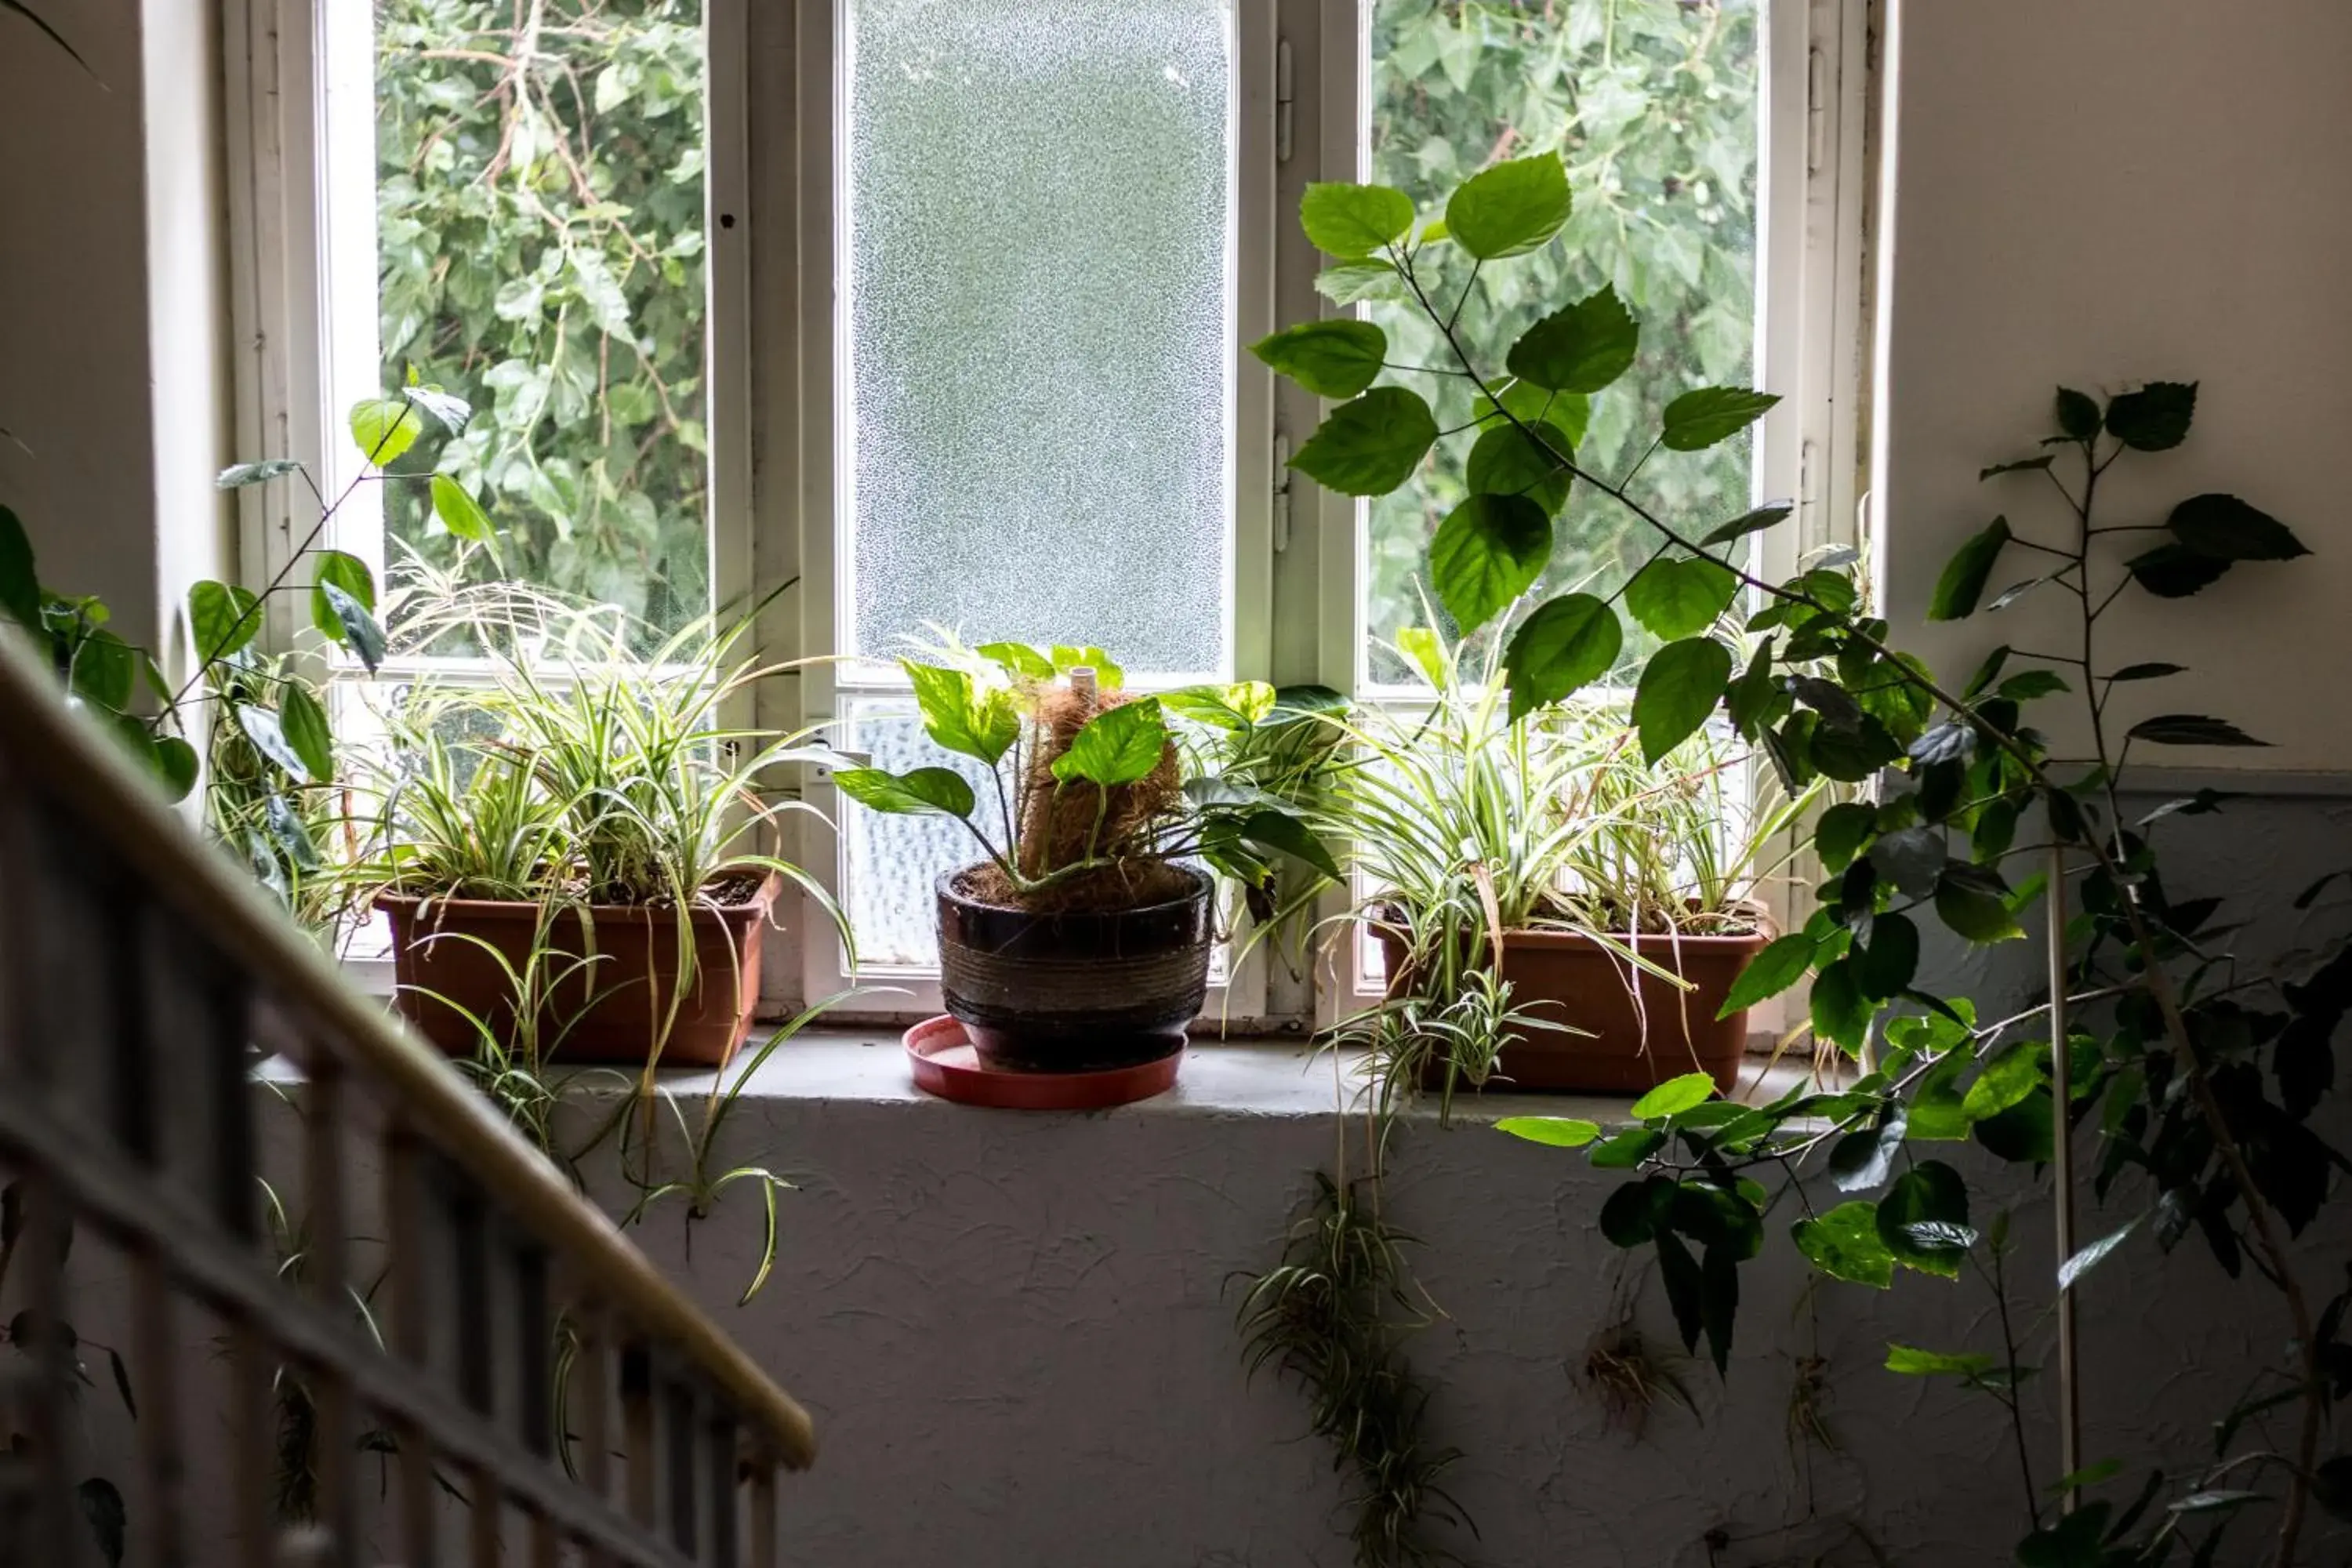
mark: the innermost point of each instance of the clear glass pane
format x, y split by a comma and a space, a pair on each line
1040, 322
539, 236
1653, 104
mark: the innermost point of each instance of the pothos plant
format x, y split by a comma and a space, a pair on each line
1244, 751
2198, 1071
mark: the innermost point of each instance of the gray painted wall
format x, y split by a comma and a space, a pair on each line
1016, 1331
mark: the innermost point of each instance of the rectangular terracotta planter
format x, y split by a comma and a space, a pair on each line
1639, 1028
614, 1007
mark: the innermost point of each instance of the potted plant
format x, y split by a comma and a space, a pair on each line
583, 833
1532, 874
1080, 940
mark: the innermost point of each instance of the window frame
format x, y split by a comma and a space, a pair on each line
811, 75
1810, 336
302, 147
773, 123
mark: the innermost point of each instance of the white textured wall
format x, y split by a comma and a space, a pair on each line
113, 316
2098, 193
1015, 1333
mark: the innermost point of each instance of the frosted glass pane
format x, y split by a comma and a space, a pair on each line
1040, 324
890, 863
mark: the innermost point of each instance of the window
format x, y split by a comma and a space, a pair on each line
938, 307
1655, 110
1036, 362
538, 250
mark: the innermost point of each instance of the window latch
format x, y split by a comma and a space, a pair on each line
1281, 100
1281, 492
842, 758
1817, 111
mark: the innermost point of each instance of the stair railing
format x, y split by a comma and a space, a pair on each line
478, 1368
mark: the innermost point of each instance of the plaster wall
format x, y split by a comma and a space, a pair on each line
1016, 1331
2098, 193
112, 312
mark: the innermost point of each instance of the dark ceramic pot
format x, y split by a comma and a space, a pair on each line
1074, 990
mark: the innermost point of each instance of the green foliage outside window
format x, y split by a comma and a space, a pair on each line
1653, 106
540, 237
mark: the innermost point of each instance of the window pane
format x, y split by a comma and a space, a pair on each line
1654, 105
888, 863
1040, 321
539, 232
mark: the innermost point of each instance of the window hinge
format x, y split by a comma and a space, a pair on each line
1281, 100
1281, 492
1812, 530
1817, 111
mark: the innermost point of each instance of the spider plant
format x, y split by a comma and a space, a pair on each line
1471, 822
1331, 1315
574, 762
1682, 847
1450, 811
481, 828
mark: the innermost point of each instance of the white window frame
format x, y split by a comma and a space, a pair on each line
301, 114
1810, 338
300, 91
810, 72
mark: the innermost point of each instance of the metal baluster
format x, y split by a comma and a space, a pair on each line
637, 1428
763, 1512
404, 1217
685, 1494
158, 1540
489, 1502
546, 1543
252, 1433
591, 1377
139, 1092
230, 1170
327, 1272
230, 1090
469, 1232
535, 1351
720, 1462
40, 1256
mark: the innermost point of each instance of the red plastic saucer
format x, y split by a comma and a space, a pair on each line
946, 1064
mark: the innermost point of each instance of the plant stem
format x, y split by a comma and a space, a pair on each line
207, 659
1999, 1279
2158, 982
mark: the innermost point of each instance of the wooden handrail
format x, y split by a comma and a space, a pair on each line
45, 739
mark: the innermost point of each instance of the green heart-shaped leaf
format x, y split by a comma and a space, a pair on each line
1680, 598
1678, 688
1488, 552
1563, 645
1510, 209
1369, 446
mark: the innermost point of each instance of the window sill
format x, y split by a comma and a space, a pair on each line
1228, 1075
1225, 1078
